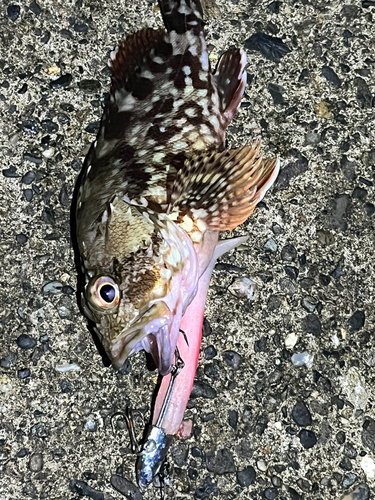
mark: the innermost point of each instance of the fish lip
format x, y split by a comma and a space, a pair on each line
149, 331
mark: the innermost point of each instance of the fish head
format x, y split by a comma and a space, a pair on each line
141, 273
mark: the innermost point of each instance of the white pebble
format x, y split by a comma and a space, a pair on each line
67, 367
368, 466
291, 340
242, 288
262, 466
303, 358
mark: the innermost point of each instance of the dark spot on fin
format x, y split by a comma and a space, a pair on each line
225, 186
230, 79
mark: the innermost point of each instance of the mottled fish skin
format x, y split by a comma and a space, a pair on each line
158, 183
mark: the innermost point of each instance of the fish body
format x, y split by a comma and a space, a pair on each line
157, 187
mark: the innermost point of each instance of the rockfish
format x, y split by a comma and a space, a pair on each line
158, 185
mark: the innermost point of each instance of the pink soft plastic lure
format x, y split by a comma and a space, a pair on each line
157, 187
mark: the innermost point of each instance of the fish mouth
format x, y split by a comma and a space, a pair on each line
156, 332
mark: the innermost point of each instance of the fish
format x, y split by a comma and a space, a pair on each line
158, 186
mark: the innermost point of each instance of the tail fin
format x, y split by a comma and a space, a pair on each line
182, 15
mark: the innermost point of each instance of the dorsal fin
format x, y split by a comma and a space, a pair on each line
131, 54
222, 189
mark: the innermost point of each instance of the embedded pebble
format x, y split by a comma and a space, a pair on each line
125, 487
67, 367
85, 490
36, 462
354, 387
307, 438
361, 492
232, 358
368, 466
357, 321
208, 488
54, 287
270, 493
23, 373
13, 12
21, 238
303, 359
301, 414
246, 477
203, 390
271, 245
8, 360
242, 288
220, 462
210, 352
272, 48
25, 342
262, 466
291, 340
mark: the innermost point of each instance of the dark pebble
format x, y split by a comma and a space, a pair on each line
288, 253
30, 126
292, 272
330, 75
232, 358
49, 126
270, 47
92, 476
22, 90
25, 342
33, 158
246, 477
13, 12
301, 414
204, 491
65, 386
233, 418
356, 321
8, 360
21, 238
211, 371
260, 345
274, 7
368, 434
345, 464
89, 85
210, 352
370, 209
85, 490
126, 368
196, 452
62, 82
28, 178
206, 328
220, 462
311, 324
125, 487
64, 197
276, 92
65, 106
341, 437
179, 453
359, 193
364, 96
270, 493
192, 474
68, 290
349, 480
307, 438
66, 34
35, 8
336, 400
10, 172
23, 373
76, 165
48, 215
203, 390
23, 452
93, 127
273, 303
28, 194
365, 181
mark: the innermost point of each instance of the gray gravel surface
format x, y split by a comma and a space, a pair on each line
263, 426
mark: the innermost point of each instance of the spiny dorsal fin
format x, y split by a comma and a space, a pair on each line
222, 189
131, 53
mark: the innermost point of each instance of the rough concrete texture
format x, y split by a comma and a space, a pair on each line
263, 427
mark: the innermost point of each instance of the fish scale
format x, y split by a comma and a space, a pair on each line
157, 187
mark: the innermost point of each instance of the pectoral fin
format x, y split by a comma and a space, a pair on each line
222, 189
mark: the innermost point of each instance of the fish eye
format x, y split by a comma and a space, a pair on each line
104, 293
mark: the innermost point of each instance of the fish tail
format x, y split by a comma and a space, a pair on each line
182, 15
